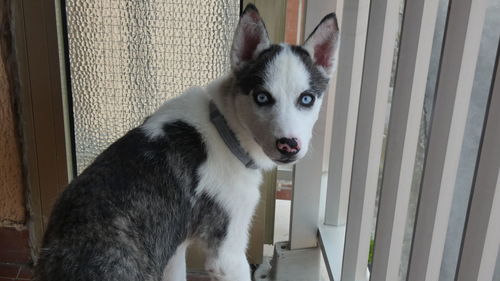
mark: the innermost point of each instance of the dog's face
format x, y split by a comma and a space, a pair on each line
281, 86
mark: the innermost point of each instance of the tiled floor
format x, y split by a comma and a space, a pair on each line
14, 246
14, 272
11, 272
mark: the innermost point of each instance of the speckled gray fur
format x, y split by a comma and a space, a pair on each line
125, 215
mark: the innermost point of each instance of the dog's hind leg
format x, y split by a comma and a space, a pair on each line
176, 267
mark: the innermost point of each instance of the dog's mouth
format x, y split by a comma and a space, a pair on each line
282, 161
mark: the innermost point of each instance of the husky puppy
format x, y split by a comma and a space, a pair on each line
192, 170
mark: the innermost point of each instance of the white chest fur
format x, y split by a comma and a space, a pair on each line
236, 189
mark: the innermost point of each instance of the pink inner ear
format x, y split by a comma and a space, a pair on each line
250, 41
323, 53
254, 15
323, 41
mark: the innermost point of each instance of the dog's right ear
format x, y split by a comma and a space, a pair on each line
323, 44
250, 38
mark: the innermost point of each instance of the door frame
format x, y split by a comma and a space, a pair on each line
42, 101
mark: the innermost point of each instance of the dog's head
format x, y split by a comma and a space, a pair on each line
281, 87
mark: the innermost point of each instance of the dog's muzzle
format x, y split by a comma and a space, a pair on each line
288, 146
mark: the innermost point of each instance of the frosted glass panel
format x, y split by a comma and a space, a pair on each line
127, 57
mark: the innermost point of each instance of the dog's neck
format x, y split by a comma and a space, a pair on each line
222, 92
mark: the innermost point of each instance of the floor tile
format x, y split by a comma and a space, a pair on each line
14, 245
25, 273
9, 270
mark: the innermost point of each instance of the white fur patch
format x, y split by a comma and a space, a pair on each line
286, 78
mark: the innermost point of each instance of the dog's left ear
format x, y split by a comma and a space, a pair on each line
250, 38
322, 44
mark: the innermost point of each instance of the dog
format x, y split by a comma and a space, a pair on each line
192, 170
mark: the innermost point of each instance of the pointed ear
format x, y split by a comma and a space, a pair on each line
323, 42
250, 38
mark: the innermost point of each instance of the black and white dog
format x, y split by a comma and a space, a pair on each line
192, 170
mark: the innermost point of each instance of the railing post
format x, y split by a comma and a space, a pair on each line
458, 64
351, 57
404, 126
382, 28
481, 240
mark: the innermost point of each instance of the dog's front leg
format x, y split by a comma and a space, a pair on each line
228, 266
227, 261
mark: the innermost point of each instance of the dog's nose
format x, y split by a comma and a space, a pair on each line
288, 146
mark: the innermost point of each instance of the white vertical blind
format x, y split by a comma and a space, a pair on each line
382, 28
351, 53
482, 233
458, 63
404, 127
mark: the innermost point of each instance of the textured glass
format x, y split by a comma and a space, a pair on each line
127, 57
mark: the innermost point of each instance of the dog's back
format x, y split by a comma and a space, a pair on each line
125, 215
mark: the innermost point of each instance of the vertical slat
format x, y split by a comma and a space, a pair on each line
307, 175
482, 233
404, 127
351, 54
458, 63
382, 28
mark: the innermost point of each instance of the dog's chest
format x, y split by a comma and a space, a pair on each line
235, 189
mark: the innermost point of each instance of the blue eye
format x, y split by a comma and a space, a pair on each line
306, 100
263, 98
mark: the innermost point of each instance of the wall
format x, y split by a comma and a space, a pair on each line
12, 210
14, 247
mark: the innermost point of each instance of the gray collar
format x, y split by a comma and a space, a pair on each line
229, 138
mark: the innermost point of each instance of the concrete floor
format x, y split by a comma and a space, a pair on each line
281, 225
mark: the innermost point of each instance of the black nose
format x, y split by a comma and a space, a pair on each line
288, 146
